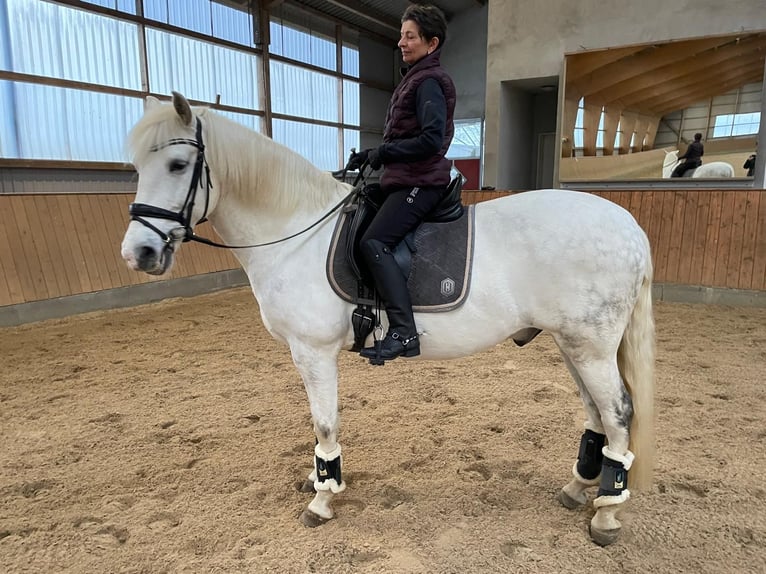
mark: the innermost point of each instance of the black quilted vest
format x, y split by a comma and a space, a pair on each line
402, 122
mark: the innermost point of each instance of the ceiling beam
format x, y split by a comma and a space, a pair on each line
579, 65
704, 66
358, 9
686, 83
705, 93
380, 36
643, 62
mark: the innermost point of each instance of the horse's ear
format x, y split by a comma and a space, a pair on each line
182, 107
150, 102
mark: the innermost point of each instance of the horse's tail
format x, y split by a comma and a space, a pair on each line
635, 359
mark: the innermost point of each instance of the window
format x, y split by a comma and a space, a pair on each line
318, 144
42, 121
312, 94
301, 92
217, 19
128, 6
54, 123
579, 131
59, 42
729, 125
201, 70
467, 141
77, 87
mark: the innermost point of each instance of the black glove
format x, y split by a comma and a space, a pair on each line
369, 155
374, 158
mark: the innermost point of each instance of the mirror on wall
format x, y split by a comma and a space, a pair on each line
629, 112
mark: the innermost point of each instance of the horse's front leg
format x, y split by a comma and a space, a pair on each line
319, 369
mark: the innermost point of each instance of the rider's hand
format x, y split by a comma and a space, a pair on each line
369, 155
373, 156
356, 160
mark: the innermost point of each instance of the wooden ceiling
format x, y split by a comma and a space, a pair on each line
658, 79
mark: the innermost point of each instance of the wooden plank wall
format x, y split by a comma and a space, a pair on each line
68, 244
698, 237
708, 238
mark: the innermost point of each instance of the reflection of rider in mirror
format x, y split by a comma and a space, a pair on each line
693, 157
749, 165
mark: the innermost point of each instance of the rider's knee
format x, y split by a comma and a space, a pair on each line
373, 248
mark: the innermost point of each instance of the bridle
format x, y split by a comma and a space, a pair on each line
138, 211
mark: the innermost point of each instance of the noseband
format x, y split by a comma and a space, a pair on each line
138, 211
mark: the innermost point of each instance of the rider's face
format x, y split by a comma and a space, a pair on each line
413, 46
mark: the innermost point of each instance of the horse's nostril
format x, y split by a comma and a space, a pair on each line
147, 253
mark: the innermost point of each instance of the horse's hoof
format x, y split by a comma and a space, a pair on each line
312, 520
604, 537
569, 502
306, 486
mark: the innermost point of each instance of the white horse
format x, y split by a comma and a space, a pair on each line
714, 169
569, 263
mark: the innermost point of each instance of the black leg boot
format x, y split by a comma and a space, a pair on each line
402, 337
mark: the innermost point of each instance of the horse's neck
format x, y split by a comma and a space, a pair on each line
667, 165
269, 267
242, 217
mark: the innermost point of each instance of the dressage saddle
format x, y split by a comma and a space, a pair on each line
435, 257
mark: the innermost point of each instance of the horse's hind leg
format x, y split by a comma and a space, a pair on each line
586, 470
319, 371
600, 377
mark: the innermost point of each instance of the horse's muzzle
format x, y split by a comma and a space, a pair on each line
148, 259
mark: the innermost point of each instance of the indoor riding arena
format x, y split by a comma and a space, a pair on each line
151, 423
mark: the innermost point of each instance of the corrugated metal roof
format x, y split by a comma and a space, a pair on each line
381, 17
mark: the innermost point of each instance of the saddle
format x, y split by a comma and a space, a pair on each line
436, 257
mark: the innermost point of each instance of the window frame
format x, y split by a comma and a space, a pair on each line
263, 113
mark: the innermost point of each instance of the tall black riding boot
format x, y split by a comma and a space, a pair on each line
402, 336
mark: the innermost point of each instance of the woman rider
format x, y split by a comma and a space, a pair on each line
416, 136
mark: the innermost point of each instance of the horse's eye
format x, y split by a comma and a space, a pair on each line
177, 165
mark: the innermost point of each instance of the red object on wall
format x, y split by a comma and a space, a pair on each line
471, 170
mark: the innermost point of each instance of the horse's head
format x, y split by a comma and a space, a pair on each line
174, 191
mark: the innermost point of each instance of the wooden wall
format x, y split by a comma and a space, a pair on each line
58, 245
68, 244
708, 238
698, 237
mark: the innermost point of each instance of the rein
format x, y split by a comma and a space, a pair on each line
138, 211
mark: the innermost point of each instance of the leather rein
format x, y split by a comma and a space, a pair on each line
139, 211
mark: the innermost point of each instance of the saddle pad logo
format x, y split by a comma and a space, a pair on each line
447, 287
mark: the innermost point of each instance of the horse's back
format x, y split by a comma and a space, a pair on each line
714, 169
560, 213
558, 253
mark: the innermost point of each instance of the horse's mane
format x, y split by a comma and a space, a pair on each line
243, 161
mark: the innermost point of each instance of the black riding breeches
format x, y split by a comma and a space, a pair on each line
401, 212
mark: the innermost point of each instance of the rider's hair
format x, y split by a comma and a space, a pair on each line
430, 20
697, 136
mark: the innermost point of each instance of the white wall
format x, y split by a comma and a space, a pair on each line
529, 40
465, 59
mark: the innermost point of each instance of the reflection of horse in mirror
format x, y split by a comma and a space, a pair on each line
569, 263
714, 169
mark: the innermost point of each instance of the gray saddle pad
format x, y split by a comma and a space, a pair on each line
440, 273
